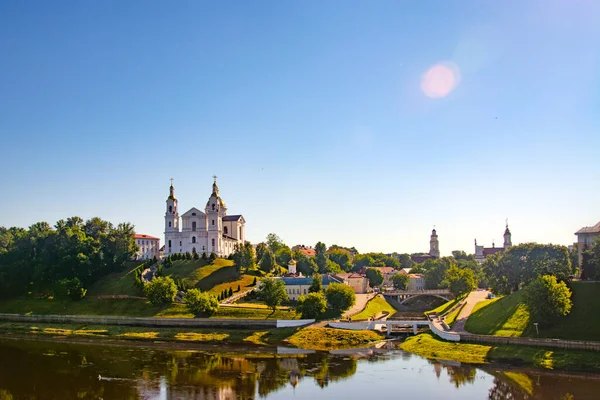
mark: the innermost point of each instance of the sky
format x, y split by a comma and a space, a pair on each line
354, 123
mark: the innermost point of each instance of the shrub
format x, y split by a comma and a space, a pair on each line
254, 282
547, 299
239, 288
204, 256
196, 256
312, 305
160, 290
213, 256
69, 288
340, 297
200, 303
230, 293
188, 255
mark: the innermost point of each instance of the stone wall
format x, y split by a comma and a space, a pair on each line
538, 342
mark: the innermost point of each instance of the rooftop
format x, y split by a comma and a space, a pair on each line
142, 236
232, 217
589, 229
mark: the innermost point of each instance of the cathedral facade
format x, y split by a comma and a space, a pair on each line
211, 231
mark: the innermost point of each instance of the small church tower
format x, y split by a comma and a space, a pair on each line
434, 245
507, 237
171, 214
215, 211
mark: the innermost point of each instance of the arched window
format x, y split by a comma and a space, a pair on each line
213, 242
213, 221
169, 224
193, 239
240, 233
225, 230
169, 243
213, 207
194, 225
170, 208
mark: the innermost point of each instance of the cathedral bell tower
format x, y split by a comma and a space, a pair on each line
507, 237
434, 245
215, 211
171, 214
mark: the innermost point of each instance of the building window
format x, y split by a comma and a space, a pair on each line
240, 232
213, 242
193, 239
170, 209
213, 222
225, 230
213, 207
180, 244
169, 243
193, 214
304, 291
194, 226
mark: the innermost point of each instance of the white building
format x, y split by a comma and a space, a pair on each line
416, 282
586, 237
148, 246
299, 286
211, 231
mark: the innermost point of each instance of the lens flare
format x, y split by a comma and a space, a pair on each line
440, 80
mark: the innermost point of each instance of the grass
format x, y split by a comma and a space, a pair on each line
451, 318
328, 338
308, 338
502, 316
374, 307
508, 316
430, 347
124, 307
521, 379
444, 307
118, 283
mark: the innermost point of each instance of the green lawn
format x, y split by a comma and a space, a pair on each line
429, 346
508, 316
502, 316
126, 307
450, 318
375, 306
118, 283
444, 307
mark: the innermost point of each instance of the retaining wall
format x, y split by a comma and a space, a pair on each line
453, 337
538, 342
156, 322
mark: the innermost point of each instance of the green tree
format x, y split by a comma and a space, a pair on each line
405, 261
312, 305
274, 242
199, 303
375, 277
70, 288
590, 262
547, 299
362, 260
272, 292
261, 248
342, 258
213, 256
460, 281
283, 255
230, 292
317, 284
306, 265
340, 297
160, 290
400, 281
243, 256
321, 257
268, 262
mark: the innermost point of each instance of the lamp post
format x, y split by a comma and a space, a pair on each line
536, 328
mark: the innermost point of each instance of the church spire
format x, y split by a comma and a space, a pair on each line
215, 187
172, 191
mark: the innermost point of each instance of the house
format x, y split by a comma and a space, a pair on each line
416, 282
420, 258
148, 246
298, 286
307, 251
357, 282
482, 252
586, 236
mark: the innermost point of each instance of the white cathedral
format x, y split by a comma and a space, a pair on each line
211, 231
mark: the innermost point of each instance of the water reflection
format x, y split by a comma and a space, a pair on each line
37, 370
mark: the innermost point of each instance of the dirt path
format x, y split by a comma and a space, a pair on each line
472, 299
361, 303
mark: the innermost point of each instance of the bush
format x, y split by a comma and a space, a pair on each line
547, 299
312, 305
204, 256
230, 293
213, 256
254, 282
69, 289
188, 255
400, 281
340, 297
196, 256
239, 288
199, 303
160, 290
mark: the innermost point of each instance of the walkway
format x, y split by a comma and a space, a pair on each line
472, 299
361, 303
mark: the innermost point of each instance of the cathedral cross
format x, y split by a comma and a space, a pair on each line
215, 178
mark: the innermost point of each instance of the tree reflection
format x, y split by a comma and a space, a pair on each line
502, 390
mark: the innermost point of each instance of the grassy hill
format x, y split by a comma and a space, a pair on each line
374, 307
118, 283
508, 316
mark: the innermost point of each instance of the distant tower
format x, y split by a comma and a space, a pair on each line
171, 218
507, 237
215, 211
292, 266
434, 245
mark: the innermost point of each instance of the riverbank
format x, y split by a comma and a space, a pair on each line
304, 338
426, 345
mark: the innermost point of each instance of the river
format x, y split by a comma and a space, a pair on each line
48, 370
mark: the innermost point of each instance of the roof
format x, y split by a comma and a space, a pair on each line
142, 236
383, 270
589, 229
305, 281
492, 250
416, 276
231, 218
419, 259
308, 252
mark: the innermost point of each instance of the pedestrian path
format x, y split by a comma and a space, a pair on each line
472, 299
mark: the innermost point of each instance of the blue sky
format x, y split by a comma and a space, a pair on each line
312, 114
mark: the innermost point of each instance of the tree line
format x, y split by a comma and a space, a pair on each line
64, 259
